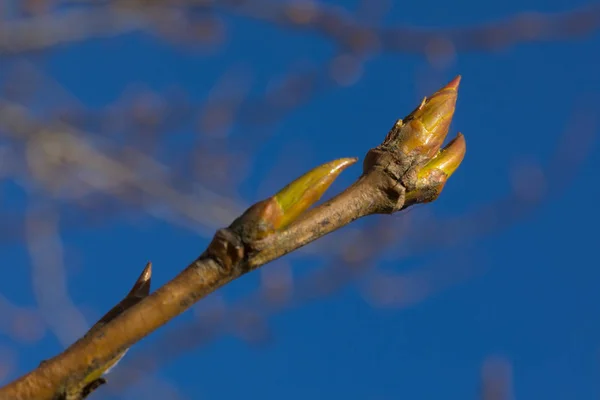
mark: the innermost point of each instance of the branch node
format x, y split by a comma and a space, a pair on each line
226, 249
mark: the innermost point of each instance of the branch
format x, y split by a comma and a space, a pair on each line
350, 31
181, 21
41, 32
406, 169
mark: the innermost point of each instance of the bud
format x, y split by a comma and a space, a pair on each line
279, 211
448, 159
302, 193
94, 379
424, 130
433, 176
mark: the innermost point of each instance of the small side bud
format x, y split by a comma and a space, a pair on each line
434, 175
449, 158
302, 193
140, 290
279, 211
141, 287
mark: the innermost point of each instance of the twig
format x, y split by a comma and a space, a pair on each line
406, 169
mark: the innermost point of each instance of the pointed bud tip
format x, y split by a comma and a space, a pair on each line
458, 145
451, 156
339, 165
344, 163
142, 284
146, 274
460, 138
454, 83
431, 121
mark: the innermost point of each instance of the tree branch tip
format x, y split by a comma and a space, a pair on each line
141, 286
409, 167
453, 84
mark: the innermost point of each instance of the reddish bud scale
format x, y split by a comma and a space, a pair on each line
426, 127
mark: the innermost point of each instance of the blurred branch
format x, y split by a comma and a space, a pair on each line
48, 30
21, 323
351, 33
49, 276
496, 379
198, 21
65, 162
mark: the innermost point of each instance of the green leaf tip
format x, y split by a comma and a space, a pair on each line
277, 212
302, 193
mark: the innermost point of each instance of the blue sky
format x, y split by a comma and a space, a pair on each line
508, 278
